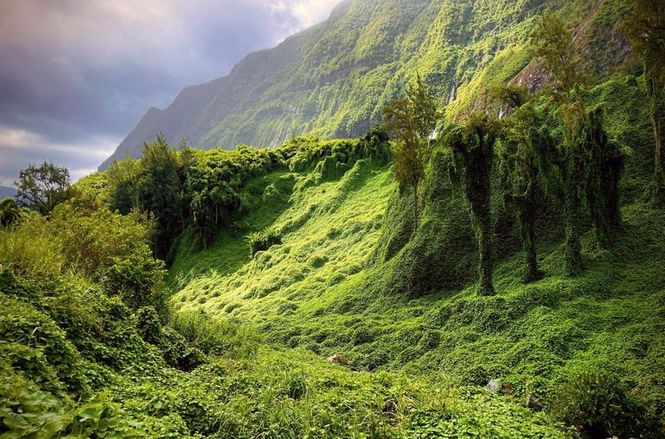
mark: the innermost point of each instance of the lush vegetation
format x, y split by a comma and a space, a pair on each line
493, 277
91, 348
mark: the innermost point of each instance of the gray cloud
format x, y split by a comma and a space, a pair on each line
75, 75
21, 147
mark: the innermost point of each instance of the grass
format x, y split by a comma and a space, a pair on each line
308, 261
295, 394
323, 291
243, 351
266, 197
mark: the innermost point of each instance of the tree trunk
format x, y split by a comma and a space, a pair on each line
415, 206
612, 208
658, 189
658, 185
573, 256
657, 128
528, 226
486, 262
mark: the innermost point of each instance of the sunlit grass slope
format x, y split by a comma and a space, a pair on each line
327, 288
328, 230
318, 290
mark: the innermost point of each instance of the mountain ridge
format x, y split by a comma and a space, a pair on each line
331, 80
7, 192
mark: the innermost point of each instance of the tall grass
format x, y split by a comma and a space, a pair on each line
216, 336
31, 252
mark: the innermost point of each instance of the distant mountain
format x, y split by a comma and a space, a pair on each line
332, 80
7, 192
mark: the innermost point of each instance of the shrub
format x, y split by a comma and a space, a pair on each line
22, 325
29, 412
148, 325
327, 168
30, 251
135, 278
177, 352
598, 403
10, 213
263, 240
363, 334
111, 249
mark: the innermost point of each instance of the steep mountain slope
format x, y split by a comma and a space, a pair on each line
331, 285
332, 80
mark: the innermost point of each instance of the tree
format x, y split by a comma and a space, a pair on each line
10, 213
521, 170
645, 28
412, 121
473, 151
160, 191
155, 184
552, 42
123, 180
424, 108
43, 187
604, 172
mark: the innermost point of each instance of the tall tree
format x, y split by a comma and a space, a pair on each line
645, 28
473, 151
425, 111
552, 42
123, 180
160, 191
43, 187
412, 121
521, 169
604, 173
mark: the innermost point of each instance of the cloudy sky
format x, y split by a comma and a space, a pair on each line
77, 75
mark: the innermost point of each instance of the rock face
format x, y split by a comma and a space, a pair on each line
333, 79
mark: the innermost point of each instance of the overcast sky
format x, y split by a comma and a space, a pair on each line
77, 75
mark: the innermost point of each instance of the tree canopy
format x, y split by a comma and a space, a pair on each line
411, 121
43, 187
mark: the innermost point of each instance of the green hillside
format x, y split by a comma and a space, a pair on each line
329, 287
91, 349
332, 80
302, 291
352, 324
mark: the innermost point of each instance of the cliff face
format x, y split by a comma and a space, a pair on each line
332, 79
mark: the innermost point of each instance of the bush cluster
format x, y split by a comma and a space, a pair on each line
263, 240
202, 190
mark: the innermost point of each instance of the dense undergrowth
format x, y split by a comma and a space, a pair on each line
79, 362
541, 339
91, 346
